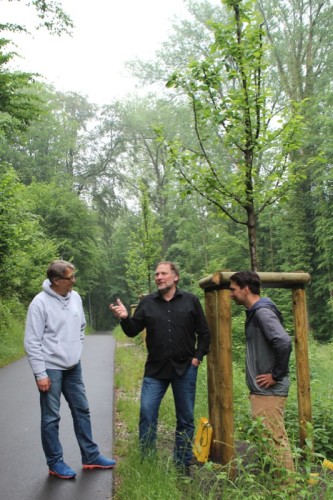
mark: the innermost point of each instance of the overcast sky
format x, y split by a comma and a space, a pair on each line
106, 34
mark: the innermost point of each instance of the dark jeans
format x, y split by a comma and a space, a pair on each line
70, 384
152, 392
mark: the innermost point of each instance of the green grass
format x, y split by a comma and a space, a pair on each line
12, 345
156, 477
12, 318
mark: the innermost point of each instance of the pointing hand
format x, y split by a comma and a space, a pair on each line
119, 310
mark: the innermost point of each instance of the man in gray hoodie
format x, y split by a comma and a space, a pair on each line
268, 349
53, 342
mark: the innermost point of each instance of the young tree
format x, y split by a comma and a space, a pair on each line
242, 162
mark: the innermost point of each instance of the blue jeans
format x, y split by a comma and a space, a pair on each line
70, 384
152, 392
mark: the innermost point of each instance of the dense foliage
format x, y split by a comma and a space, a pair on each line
98, 186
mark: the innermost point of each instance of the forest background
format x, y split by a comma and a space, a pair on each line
221, 161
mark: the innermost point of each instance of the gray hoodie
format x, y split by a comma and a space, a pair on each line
268, 348
54, 331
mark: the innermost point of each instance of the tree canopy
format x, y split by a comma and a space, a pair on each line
229, 167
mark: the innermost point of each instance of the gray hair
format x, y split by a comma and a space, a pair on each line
57, 269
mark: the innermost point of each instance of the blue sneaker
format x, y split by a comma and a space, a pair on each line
101, 462
60, 469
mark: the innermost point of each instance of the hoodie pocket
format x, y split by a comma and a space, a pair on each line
67, 353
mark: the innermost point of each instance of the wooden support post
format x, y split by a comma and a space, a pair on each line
220, 390
302, 362
220, 387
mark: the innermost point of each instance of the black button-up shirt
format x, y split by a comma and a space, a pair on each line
177, 332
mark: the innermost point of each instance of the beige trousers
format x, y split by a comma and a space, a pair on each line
271, 409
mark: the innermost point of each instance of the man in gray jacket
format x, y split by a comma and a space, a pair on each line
268, 349
53, 342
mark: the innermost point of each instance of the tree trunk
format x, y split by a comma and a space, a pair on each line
252, 237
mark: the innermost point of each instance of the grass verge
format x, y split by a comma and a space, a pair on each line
156, 478
12, 316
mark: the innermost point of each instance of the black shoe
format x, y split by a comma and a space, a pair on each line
186, 470
189, 471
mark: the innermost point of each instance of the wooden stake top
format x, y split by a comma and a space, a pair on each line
221, 280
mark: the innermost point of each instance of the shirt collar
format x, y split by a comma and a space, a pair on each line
157, 295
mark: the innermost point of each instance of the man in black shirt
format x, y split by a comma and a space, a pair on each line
177, 340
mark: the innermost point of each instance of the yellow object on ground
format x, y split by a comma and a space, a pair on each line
327, 464
203, 439
313, 478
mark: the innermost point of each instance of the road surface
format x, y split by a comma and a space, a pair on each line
23, 470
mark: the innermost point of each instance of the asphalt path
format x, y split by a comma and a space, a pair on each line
23, 470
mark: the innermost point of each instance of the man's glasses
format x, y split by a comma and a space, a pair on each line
70, 278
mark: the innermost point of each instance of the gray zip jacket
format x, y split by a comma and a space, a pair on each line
268, 348
54, 331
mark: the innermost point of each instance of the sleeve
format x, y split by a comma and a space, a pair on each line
202, 331
83, 323
134, 325
34, 330
279, 340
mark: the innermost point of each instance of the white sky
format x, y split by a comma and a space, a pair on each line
106, 34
